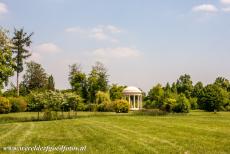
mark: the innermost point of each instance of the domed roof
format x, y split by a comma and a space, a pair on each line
132, 90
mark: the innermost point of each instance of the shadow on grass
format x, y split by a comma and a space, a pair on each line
27, 117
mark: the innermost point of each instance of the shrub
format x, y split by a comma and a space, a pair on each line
121, 106
103, 102
4, 105
72, 101
169, 104
182, 104
193, 103
18, 104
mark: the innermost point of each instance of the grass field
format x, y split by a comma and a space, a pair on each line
197, 132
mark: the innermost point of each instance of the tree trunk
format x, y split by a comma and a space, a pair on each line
17, 84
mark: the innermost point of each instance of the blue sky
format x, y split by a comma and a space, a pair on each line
141, 42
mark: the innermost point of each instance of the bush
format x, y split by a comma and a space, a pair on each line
169, 104
193, 103
182, 104
121, 106
18, 104
4, 105
103, 102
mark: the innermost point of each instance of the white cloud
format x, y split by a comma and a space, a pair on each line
209, 8
47, 48
227, 9
225, 1
120, 52
3, 8
99, 33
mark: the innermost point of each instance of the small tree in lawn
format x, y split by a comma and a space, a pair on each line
73, 101
36, 102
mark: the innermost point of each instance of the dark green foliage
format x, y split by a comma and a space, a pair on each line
78, 81
97, 81
213, 98
198, 90
121, 106
223, 83
4, 105
184, 85
35, 77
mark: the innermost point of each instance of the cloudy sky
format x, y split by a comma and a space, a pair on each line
141, 42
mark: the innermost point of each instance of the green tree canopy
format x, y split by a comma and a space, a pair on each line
184, 85
6, 60
78, 81
115, 92
35, 76
98, 80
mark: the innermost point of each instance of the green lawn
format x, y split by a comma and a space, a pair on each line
197, 132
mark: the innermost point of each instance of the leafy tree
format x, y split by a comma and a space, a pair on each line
167, 87
223, 83
36, 102
6, 60
184, 85
78, 81
213, 98
98, 80
182, 104
116, 92
174, 88
197, 90
51, 83
35, 76
156, 94
21, 41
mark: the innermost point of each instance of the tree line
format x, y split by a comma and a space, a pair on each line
92, 92
182, 95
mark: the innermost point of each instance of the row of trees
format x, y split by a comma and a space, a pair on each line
183, 95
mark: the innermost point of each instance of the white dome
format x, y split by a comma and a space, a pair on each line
131, 90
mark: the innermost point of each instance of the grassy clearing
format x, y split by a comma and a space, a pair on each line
197, 132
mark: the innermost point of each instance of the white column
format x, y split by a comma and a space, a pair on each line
141, 101
138, 101
134, 104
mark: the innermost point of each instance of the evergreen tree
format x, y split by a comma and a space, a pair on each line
21, 41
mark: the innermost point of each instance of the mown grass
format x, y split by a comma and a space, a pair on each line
196, 132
